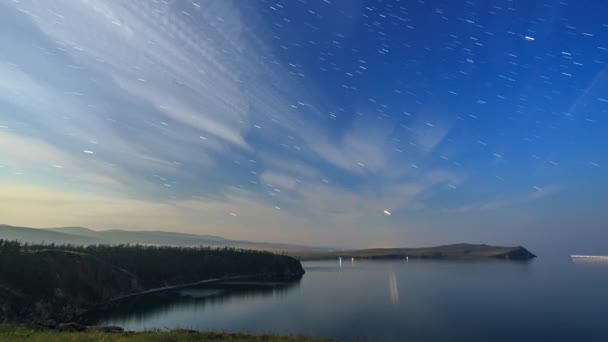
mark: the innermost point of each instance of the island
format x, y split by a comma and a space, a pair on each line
461, 251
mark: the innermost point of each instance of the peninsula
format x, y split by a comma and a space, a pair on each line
456, 251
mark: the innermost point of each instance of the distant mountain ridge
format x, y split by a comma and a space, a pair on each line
34, 235
86, 236
142, 237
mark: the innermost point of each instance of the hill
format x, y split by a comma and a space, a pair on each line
85, 236
114, 236
43, 236
456, 251
58, 283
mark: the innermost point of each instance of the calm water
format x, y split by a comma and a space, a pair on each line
546, 299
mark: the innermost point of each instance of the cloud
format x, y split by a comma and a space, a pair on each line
364, 148
278, 180
429, 132
63, 207
180, 112
174, 101
544, 192
66, 124
296, 168
499, 203
21, 153
144, 57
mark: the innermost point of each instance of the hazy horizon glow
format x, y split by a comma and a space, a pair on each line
338, 123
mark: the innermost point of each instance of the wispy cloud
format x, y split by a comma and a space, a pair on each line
146, 114
504, 202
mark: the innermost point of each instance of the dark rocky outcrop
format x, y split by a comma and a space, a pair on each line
71, 326
517, 253
107, 329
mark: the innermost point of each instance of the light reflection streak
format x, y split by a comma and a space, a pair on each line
392, 286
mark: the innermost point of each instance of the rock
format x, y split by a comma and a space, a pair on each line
48, 323
108, 329
187, 331
519, 253
72, 326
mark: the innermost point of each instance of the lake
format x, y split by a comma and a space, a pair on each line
551, 299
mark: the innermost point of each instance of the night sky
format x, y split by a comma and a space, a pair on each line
337, 123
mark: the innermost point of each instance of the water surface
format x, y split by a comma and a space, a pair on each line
416, 300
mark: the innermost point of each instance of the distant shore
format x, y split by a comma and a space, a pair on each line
457, 252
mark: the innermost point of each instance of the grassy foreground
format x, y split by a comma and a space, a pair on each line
19, 333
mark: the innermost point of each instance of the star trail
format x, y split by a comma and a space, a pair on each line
347, 123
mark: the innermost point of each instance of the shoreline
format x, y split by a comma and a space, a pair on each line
177, 287
85, 317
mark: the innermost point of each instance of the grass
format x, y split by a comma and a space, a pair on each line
19, 333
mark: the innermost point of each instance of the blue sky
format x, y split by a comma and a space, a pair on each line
308, 121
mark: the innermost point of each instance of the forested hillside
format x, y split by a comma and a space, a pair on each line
49, 282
